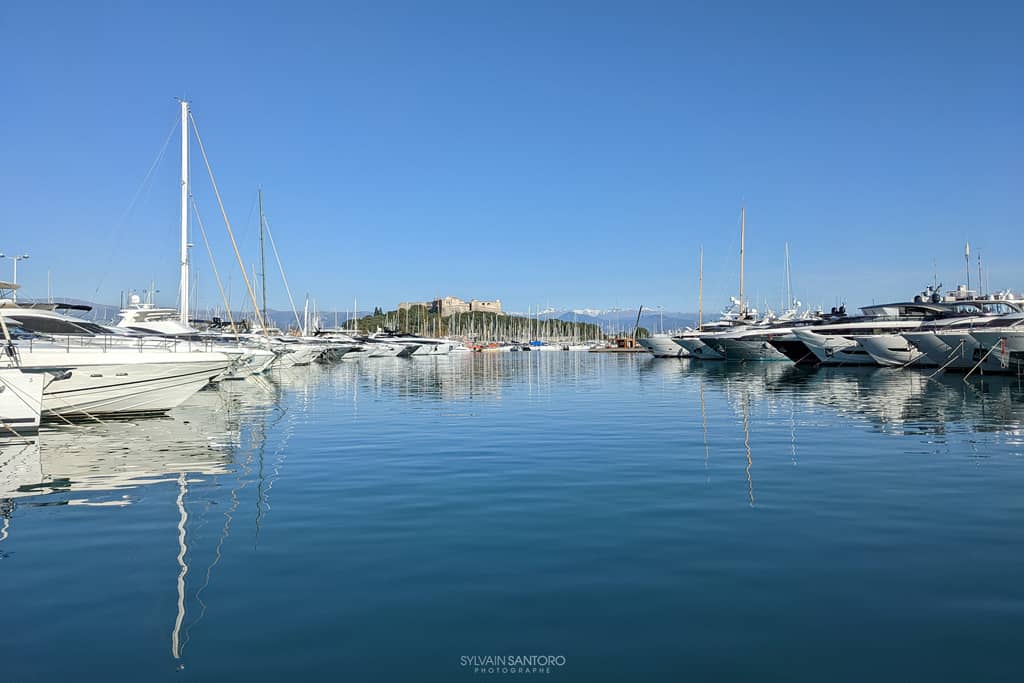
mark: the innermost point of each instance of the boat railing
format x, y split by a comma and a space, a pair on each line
117, 342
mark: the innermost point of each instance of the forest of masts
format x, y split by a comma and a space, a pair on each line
480, 326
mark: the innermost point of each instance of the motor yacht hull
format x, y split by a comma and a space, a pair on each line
438, 349
696, 348
748, 349
794, 349
930, 343
891, 350
1004, 348
91, 382
21, 400
662, 346
834, 349
298, 355
252, 362
966, 353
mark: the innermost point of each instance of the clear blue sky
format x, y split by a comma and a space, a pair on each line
565, 153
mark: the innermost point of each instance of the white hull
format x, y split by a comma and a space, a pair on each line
296, 355
147, 389
252, 362
21, 400
662, 346
96, 382
439, 349
695, 348
834, 350
965, 352
933, 346
1005, 348
749, 349
425, 345
890, 350
386, 350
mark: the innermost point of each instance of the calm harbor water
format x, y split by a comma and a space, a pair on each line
644, 519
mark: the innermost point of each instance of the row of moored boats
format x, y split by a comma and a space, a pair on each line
60, 366
959, 330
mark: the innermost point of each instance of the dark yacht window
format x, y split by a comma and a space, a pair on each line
16, 331
41, 325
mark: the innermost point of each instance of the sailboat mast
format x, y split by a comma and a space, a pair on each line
700, 291
981, 283
789, 281
743, 237
263, 258
184, 213
967, 260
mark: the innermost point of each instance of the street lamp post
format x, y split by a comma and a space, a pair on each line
16, 258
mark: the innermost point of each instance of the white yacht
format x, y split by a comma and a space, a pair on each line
875, 338
90, 370
704, 342
758, 341
146, 319
663, 345
353, 345
958, 307
1002, 343
427, 346
732, 319
950, 344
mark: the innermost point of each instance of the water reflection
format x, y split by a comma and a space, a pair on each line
221, 432
371, 476
746, 445
890, 400
454, 378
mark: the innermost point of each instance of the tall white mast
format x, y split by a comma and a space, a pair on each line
184, 212
700, 291
743, 237
789, 282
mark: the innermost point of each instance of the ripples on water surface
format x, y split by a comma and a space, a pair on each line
647, 520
